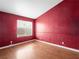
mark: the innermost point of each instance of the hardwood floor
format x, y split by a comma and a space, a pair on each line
37, 50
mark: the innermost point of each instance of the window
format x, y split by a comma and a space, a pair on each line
24, 28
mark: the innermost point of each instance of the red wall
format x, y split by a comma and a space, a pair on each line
8, 23
60, 24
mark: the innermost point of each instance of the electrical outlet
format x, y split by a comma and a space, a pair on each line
62, 42
11, 42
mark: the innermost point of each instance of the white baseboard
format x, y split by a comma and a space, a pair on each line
75, 50
15, 44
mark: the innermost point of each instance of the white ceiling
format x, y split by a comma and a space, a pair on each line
28, 8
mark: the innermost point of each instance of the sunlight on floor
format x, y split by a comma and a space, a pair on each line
25, 52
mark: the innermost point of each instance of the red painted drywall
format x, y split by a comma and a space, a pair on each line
8, 23
60, 24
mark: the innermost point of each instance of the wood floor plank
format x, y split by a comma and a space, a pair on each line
37, 50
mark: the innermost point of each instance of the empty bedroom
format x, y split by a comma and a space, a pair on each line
39, 29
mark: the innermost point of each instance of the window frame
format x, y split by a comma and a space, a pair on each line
23, 35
